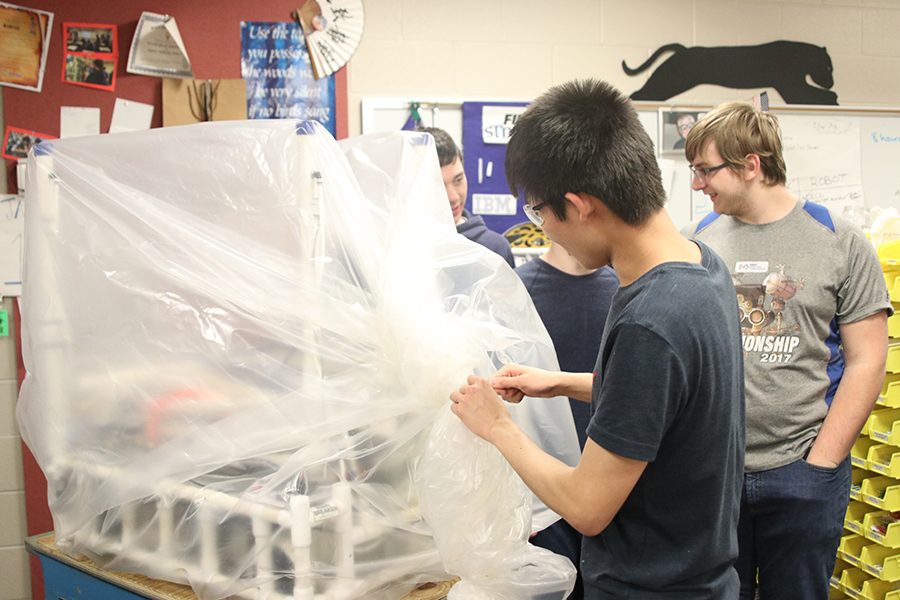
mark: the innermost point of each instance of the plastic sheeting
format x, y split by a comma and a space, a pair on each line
240, 338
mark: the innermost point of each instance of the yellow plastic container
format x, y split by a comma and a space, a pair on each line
851, 546
870, 521
893, 357
884, 426
894, 326
883, 563
856, 479
856, 513
875, 589
881, 491
859, 452
884, 459
852, 580
890, 390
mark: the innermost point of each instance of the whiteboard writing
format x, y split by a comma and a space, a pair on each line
822, 155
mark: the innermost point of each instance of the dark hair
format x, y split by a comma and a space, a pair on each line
584, 136
447, 149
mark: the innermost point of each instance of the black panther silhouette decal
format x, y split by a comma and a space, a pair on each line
783, 65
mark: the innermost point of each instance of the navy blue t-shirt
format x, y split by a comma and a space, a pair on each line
669, 390
573, 309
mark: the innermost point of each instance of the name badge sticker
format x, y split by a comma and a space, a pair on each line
751, 266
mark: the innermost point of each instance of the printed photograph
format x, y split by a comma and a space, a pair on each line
17, 142
86, 37
676, 124
90, 72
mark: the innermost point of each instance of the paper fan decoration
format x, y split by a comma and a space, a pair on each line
333, 30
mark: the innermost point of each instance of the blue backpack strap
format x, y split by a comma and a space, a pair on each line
819, 213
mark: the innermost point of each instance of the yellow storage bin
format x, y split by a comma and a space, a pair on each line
851, 546
856, 479
875, 589
879, 527
893, 357
883, 563
852, 581
884, 459
859, 452
856, 513
890, 390
894, 326
881, 491
882, 426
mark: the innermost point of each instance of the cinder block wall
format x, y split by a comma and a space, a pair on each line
515, 49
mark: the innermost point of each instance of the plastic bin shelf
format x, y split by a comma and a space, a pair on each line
890, 390
875, 589
852, 580
840, 565
876, 522
883, 563
894, 326
856, 479
892, 279
859, 452
881, 491
893, 357
884, 459
856, 512
884, 426
850, 548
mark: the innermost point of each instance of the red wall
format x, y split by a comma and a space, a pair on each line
212, 36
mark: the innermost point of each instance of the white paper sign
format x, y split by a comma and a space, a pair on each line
493, 204
12, 247
157, 48
76, 121
129, 115
497, 122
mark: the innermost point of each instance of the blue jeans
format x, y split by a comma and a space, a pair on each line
790, 527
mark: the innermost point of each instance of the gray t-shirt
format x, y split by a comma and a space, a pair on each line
797, 280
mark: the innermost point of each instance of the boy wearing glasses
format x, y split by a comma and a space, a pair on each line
657, 490
813, 305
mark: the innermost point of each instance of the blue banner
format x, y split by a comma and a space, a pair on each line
280, 82
485, 131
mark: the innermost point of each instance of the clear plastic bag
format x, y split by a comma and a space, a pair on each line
240, 338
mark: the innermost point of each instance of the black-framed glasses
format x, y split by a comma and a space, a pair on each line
703, 173
532, 212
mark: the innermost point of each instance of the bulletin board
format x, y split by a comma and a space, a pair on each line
212, 38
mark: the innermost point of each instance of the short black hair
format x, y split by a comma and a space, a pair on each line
447, 149
584, 136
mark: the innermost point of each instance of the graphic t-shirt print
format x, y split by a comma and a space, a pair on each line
763, 294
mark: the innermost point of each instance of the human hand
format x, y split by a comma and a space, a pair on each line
513, 382
478, 407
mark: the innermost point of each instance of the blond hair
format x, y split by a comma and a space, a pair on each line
739, 129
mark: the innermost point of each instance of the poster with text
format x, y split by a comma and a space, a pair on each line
280, 82
486, 128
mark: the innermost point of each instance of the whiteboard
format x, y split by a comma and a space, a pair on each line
836, 156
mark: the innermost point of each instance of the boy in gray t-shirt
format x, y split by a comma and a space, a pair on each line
813, 307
